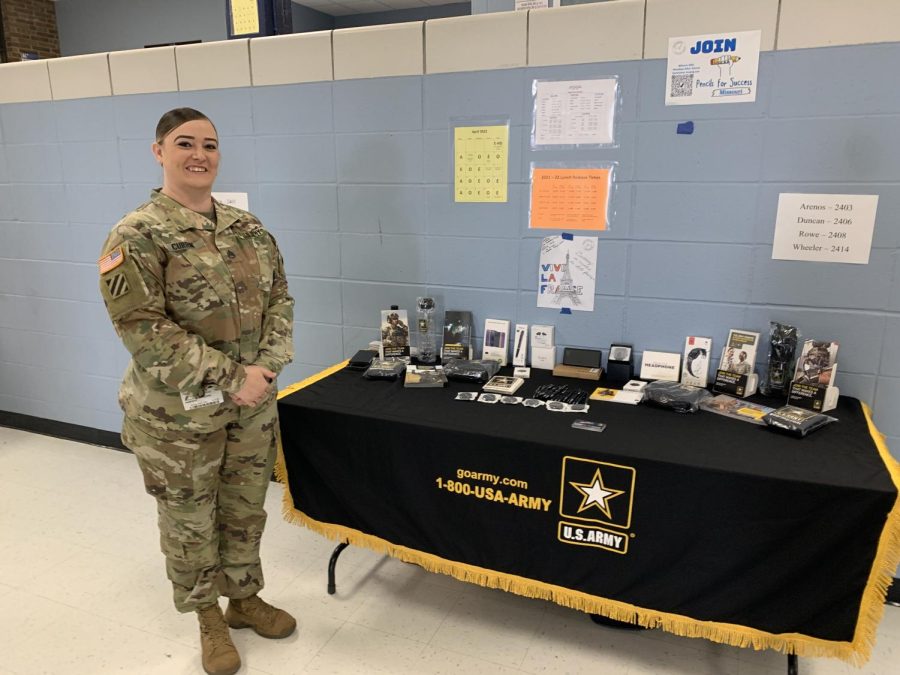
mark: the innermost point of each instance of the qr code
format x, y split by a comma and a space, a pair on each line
682, 85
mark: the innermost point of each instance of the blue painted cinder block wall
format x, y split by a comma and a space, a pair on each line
353, 178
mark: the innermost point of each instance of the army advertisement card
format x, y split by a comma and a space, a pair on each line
739, 352
715, 68
395, 333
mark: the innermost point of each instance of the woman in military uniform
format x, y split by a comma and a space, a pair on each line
196, 290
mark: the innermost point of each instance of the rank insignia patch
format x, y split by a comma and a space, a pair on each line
117, 285
111, 260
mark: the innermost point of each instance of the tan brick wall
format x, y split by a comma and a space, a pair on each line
29, 26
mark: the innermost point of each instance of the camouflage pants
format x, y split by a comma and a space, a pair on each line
210, 491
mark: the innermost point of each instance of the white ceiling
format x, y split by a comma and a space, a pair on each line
345, 7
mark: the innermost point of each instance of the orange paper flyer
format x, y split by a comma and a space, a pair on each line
569, 199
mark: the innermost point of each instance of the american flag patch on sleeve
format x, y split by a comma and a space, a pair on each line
111, 260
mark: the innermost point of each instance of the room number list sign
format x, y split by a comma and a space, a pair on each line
481, 158
824, 227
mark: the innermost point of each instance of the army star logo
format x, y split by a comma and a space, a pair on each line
596, 494
117, 285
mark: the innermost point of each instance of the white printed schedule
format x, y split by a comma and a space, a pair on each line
824, 227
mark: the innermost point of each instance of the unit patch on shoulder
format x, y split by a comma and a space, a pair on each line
117, 285
111, 260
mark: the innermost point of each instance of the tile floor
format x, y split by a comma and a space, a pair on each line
83, 590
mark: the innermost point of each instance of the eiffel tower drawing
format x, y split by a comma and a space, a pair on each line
566, 287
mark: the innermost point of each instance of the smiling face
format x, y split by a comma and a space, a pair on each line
189, 156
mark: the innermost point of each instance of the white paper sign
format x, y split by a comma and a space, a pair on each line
531, 4
238, 199
567, 272
824, 227
574, 112
715, 68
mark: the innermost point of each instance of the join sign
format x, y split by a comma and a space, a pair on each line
713, 68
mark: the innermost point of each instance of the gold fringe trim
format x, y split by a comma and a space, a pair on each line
856, 652
887, 556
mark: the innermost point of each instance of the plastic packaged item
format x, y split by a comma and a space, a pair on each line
385, 369
559, 406
562, 393
675, 396
797, 421
424, 376
466, 395
780, 368
424, 313
464, 370
588, 425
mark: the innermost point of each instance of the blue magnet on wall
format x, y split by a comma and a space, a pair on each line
566, 235
685, 128
565, 310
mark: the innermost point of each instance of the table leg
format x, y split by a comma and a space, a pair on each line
793, 665
331, 565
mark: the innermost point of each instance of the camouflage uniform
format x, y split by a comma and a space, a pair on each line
195, 302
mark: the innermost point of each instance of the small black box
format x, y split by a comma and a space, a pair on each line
620, 364
362, 359
619, 371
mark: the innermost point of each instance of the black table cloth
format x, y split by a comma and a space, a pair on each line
700, 524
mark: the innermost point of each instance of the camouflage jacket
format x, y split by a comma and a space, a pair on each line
194, 302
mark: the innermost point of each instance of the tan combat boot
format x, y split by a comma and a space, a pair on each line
218, 652
253, 612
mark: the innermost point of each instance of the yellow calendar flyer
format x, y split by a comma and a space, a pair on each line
244, 17
481, 156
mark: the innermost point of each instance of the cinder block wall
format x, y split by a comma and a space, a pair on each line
342, 140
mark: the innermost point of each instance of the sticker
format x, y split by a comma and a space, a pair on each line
111, 260
117, 286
